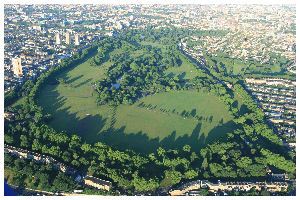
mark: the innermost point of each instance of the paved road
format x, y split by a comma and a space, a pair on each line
36, 192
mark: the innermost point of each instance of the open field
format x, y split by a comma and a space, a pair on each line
18, 102
74, 110
186, 71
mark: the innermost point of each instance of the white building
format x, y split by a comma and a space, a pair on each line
77, 40
57, 39
67, 35
17, 66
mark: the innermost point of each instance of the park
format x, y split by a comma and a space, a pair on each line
169, 119
128, 104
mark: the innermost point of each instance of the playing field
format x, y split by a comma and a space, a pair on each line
169, 119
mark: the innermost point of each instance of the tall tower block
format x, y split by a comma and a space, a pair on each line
77, 41
57, 39
67, 37
17, 67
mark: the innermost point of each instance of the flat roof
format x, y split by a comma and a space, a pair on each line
97, 180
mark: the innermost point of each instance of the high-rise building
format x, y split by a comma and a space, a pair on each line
57, 39
17, 66
77, 41
67, 38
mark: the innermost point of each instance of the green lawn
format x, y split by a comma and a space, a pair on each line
74, 110
18, 102
186, 70
74, 98
154, 44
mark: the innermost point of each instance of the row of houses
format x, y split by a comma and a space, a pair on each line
277, 98
86, 180
22, 153
271, 81
274, 90
190, 187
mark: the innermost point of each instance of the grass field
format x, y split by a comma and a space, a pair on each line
186, 71
74, 110
18, 102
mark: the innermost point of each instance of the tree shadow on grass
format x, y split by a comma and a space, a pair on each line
219, 132
90, 128
69, 81
83, 83
182, 75
140, 141
86, 127
64, 120
135, 141
243, 109
170, 75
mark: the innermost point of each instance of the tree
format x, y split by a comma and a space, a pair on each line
43, 180
36, 145
142, 185
161, 152
37, 117
86, 147
255, 170
244, 162
278, 161
193, 156
152, 157
63, 183
190, 174
186, 148
18, 179
203, 192
172, 177
264, 193
8, 138
54, 150
66, 156
204, 164
75, 141
216, 169
24, 141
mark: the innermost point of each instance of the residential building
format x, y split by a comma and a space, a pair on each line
77, 39
67, 37
97, 183
57, 39
17, 66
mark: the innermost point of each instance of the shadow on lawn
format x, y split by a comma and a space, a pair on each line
69, 81
65, 120
142, 143
83, 83
90, 128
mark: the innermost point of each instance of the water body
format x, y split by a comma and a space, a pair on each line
9, 191
116, 85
